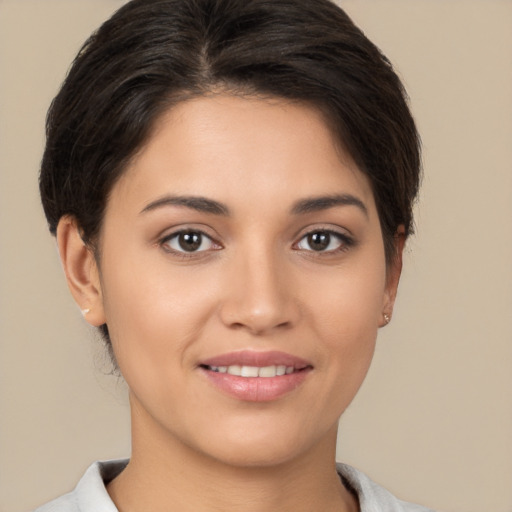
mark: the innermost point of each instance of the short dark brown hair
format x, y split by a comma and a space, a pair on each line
151, 54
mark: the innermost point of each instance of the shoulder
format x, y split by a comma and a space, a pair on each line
373, 497
90, 494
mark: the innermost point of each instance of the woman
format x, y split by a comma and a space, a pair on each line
231, 183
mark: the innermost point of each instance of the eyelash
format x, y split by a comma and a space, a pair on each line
188, 254
345, 242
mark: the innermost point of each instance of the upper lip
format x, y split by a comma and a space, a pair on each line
256, 358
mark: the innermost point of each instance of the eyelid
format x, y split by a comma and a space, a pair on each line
185, 227
346, 239
164, 240
331, 227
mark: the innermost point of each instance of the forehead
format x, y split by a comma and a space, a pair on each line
228, 146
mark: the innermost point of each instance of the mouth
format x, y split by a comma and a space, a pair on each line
254, 371
256, 376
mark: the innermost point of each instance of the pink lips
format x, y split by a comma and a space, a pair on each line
254, 358
256, 389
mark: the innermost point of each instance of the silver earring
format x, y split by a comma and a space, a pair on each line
85, 311
387, 318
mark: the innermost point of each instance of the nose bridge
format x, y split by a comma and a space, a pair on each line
258, 295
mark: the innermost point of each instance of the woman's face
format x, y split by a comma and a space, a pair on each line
239, 245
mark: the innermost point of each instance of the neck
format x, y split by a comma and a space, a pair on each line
165, 474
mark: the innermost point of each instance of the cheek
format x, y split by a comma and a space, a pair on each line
345, 317
154, 312
348, 303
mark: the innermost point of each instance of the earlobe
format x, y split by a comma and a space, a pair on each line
394, 271
81, 271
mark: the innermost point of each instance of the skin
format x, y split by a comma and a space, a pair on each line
255, 284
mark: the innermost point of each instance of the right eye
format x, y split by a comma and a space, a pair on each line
188, 241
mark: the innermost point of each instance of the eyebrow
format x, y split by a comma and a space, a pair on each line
200, 204
315, 204
303, 206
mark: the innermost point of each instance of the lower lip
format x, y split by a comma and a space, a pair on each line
256, 389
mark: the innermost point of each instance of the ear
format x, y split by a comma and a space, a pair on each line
81, 271
394, 270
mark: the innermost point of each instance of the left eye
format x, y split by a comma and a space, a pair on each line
322, 241
189, 241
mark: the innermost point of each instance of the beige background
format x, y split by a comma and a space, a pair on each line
433, 422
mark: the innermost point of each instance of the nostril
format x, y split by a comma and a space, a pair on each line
259, 328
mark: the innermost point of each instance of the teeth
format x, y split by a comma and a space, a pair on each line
254, 371
235, 370
267, 371
219, 369
249, 371
281, 370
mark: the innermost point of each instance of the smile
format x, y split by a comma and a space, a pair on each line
253, 371
254, 376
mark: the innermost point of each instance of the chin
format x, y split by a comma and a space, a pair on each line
266, 447
255, 456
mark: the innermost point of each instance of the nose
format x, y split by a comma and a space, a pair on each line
259, 295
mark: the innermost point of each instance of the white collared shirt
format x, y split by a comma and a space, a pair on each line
90, 495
